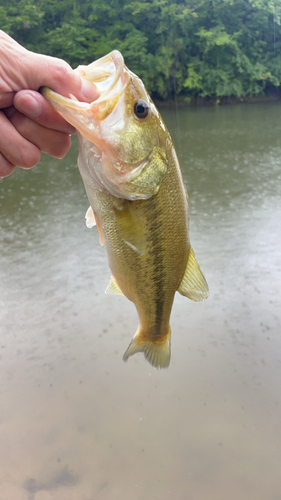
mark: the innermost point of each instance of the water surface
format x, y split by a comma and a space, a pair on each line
76, 422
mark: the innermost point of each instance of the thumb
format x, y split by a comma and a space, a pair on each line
22, 69
60, 77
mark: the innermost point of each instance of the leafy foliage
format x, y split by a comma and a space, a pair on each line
193, 48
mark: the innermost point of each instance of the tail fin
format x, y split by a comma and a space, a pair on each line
157, 352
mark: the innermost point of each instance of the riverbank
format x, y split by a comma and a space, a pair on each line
219, 101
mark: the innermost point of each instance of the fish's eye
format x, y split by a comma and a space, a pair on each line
141, 109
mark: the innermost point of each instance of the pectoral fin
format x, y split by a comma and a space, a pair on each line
193, 284
91, 221
90, 218
132, 232
113, 287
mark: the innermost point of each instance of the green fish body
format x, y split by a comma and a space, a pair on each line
138, 200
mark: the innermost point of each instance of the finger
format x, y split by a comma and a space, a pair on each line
6, 168
32, 71
52, 142
60, 77
39, 70
6, 99
16, 149
35, 106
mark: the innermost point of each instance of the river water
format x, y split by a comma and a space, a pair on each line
76, 422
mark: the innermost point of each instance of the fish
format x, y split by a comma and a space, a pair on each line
138, 199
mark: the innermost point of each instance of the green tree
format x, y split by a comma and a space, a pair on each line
202, 48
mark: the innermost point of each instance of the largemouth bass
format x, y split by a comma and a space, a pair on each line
138, 200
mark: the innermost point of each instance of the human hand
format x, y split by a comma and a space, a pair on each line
28, 123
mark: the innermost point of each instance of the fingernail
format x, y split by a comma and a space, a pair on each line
89, 90
29, 106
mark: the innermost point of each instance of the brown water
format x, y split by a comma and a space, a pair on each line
76, 422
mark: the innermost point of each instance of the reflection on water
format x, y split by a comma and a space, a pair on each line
76, 423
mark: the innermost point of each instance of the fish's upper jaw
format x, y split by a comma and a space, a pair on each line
110, 76
106, 103
103, 72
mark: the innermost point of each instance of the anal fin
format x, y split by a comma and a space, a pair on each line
193, 284
113, 288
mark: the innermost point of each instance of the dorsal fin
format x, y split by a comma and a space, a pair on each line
193, 284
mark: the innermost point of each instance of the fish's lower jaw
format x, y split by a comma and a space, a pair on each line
157, 352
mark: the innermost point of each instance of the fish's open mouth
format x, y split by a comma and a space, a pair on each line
109, 75
104, 72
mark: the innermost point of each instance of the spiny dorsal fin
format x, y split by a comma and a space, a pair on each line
90, 218
157, 352
132, 232
193, 284
113, 288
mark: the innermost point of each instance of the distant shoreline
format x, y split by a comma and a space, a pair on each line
213, 101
